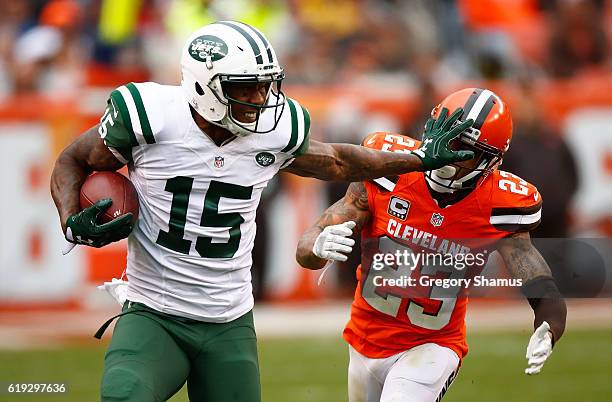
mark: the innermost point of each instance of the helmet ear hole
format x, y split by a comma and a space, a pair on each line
199, 89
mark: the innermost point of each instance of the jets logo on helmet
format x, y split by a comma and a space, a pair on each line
489, 137
226, 53
207, 47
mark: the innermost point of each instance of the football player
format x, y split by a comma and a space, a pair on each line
200, 155
406, 339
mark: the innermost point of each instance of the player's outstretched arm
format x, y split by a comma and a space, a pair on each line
330, 237
85, 155
354, 163
525, 262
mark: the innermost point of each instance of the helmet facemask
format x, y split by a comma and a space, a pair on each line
274, 101
456, 176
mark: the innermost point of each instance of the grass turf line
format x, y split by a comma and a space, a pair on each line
314, 370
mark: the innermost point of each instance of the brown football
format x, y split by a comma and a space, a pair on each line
111, 185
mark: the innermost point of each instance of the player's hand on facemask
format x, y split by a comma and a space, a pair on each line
435, 150
539, 349
334, 242
83, 228
116, 288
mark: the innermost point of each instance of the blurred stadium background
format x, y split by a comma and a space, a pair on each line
359, 66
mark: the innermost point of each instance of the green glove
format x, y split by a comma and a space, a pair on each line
82, 228
434, 151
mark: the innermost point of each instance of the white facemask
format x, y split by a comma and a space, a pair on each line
442, 180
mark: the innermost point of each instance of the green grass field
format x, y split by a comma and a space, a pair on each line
314, 370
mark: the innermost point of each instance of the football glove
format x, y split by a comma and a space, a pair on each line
334, 242
82, 228
434, 151
116, 288
539, 348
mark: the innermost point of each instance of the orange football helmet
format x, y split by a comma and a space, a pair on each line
489, 137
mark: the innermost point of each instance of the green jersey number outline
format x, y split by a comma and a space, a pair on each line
181, 187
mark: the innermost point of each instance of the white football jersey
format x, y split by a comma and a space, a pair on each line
190, 252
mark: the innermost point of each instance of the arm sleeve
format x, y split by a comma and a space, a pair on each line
517, 205
125, 123
300, 129
306, 138
547, 304
116, 129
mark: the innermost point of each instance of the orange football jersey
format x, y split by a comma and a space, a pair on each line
388, 317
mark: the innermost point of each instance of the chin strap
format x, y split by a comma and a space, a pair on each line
241, 130
434, 183
449, 185
236, 129
232, 127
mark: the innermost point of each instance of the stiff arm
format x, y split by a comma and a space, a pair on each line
354, 163
346, 162
352, 207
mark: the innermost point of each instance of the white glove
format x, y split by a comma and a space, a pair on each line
116, 288
334, 242
539, 348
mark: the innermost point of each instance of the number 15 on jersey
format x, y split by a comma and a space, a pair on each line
181, 187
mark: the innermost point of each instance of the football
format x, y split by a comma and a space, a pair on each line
111, 185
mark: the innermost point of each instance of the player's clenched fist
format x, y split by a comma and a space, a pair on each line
83, 227
334, 242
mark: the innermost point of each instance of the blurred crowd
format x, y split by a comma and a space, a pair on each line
58, 46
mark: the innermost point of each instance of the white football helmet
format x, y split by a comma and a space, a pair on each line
225, 52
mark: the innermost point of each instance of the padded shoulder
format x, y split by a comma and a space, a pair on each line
141, 109
389, 142
299, 138
516, 205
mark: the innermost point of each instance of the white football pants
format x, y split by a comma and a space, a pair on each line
421, 374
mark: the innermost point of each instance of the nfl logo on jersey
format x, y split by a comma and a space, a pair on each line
219, 160
436, 219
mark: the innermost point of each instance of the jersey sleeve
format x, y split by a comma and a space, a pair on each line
517, 204
130, 120
389, 142
300, 129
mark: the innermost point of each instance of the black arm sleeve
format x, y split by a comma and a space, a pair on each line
547, 304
